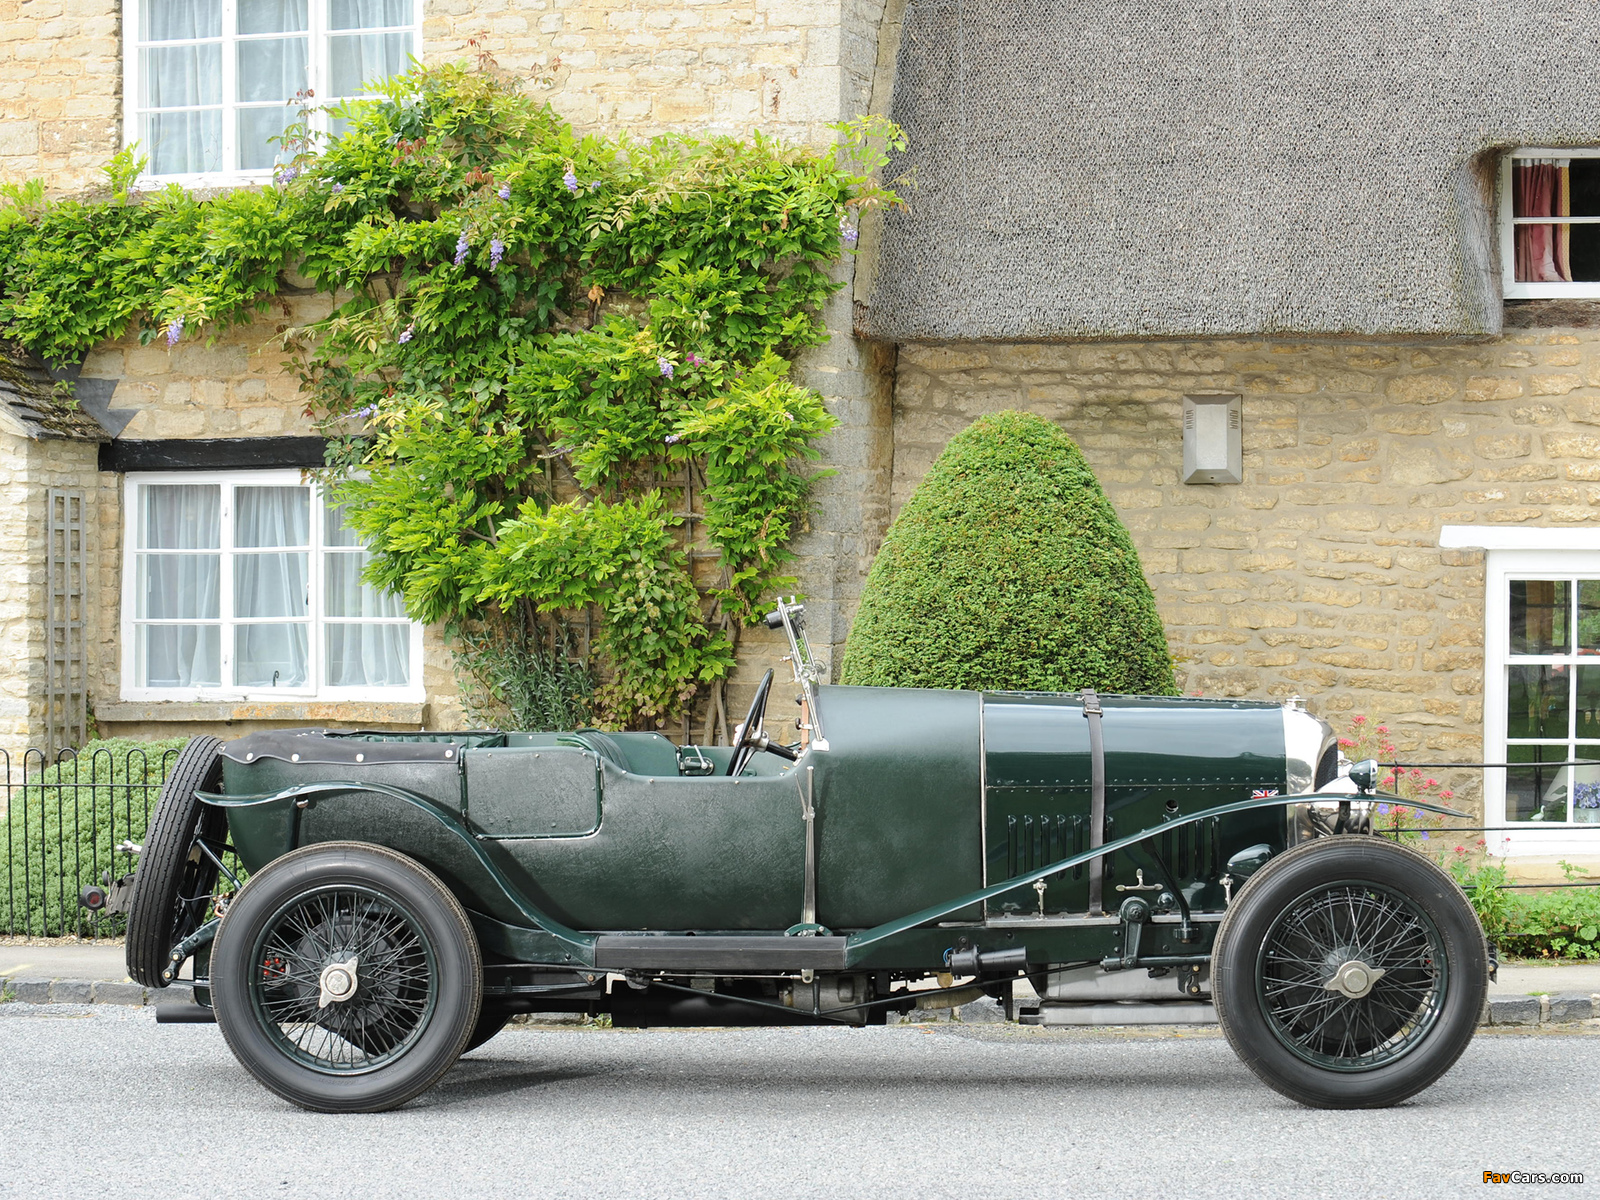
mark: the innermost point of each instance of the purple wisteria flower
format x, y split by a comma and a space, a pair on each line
406, 334
571, 180
368, 411
286, 175
174, 330
666, 367
504, 191
337, 188
462, 245
497, 251
672, 439
696, 361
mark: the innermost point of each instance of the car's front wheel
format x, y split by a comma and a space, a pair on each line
1350, 973
346, 977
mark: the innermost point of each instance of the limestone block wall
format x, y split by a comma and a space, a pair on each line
27, 470
787, 67
1321, 574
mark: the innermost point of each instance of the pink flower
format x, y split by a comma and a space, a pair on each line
1433, 783
1446, 795
1346, 742
1358, 720
1383, 729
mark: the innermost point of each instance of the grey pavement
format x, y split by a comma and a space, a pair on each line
102, 1103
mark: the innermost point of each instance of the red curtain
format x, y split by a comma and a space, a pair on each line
1541, 188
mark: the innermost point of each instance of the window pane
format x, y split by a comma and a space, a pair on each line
1536, 701
269, 656
179, 587
170, 20
347, 596
1586, 786
272, 516
256, 125
368, 655
1584, 174
272, 16
181, 76
178, 655
334, 531
369, 14
1540, 616
180, 517
272, 69
1537, 793
354, 60
184, 143
1583, 252
1587, 703
270, 585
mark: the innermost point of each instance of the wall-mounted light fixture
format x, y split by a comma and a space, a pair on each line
1212, 439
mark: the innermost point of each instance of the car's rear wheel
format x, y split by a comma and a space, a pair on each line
174, 881
346, 977
1350, 973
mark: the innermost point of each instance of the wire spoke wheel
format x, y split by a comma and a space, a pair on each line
395, 986
1349, 972
346, 977
1352, 976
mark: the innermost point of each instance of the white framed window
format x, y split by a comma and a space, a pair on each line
247, 585
1542, 697
207, 82
1550, 223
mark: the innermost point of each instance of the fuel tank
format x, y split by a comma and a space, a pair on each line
1164, 757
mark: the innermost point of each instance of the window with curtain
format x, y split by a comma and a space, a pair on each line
1542, 694
1551, 233
211, 82
250, 585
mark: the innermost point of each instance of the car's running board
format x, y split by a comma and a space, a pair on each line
717, 952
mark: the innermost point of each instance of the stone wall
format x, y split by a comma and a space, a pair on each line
28, 469
787, 67
1321, 574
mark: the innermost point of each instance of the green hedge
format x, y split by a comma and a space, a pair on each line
61, 827
1009, 570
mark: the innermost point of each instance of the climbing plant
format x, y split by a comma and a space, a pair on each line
555, 369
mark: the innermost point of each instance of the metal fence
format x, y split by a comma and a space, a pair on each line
69, 820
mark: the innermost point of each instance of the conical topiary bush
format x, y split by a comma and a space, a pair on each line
1009, 570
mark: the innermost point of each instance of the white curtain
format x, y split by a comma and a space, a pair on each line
356, 60
268, 582
179, 587
185, 77
364, 653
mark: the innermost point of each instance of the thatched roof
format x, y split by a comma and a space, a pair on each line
1107, 168
37, 406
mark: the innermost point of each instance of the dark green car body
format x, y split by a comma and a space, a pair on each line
937, 814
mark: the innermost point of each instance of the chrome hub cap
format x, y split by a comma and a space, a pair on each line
338, 982
1354, 979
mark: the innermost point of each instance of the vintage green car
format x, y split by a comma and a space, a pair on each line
408, 893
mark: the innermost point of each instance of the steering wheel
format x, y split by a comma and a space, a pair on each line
751, 736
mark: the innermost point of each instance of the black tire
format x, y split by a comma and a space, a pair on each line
491, 1020
174, 881
409, 1018
1350, 899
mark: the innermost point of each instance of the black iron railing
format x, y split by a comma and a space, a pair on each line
69, 822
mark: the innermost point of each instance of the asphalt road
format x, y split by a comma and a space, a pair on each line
104, 1103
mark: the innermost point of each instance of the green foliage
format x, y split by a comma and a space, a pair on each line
63, 826
507, 460
1008, 569
515, 685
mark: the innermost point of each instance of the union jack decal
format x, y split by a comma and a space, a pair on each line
1263, 793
